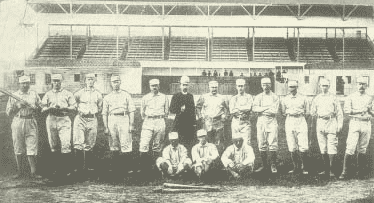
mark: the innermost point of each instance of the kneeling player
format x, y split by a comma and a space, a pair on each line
238, 158
174, 158
204, 155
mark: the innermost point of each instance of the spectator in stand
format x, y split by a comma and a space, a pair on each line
215, 74
271, 75
225, 73
203, 73
231, 73
209, 74
241, 75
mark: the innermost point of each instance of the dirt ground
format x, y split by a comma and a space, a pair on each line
258, 188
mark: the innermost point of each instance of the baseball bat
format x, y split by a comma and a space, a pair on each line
172, 190
180, 186
16, 98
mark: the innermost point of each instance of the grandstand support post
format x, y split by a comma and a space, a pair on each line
71, 42
163, 42
343, 46
128, 37
298, 44
326, 33
208, 47
37, 36
117, 43
253, 44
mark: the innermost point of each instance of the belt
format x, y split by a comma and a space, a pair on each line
156, 117
87, 115
25, 117
296, 116
326, 118
58, 114
241, 117
267, 116
119, 114
361, 119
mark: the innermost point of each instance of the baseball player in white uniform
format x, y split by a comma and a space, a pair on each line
327, 110
154, 110
174, 159
204, 155
118, 116
266, 104
240, 108
59, 102
24, 126
89, 104
295, 107
359, 106
212, 108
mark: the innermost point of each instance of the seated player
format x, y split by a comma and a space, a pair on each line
174, 158
204, 154
238, 158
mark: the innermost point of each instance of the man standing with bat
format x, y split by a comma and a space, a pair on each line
58, 103
359, 107
24, 126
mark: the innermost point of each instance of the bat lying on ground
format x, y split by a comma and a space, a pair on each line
178, 188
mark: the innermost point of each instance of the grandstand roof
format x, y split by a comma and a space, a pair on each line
189, 2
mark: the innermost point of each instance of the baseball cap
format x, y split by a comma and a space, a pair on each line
201, 133
265, 80
213, 84
240, 82
292, 83
154, 82
56, 77
115, 78
23, 79
173, 135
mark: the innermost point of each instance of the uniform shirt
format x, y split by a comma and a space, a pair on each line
30, 97
118, 102
263, 100
61, 97
208, 150
243, 155
295, 104
155, 105
212, 106
326, 105
175, 155
89, 101
239, 102
357, 102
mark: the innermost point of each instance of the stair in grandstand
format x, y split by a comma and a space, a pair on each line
145, 48
58, 47
105, 47
187, 49
229, 49
271, 49
355, 49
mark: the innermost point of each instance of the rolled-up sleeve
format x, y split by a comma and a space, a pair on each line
10, 106
105, 106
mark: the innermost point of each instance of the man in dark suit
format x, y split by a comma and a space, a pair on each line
182, 110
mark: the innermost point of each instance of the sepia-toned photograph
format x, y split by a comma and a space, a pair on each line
186, 101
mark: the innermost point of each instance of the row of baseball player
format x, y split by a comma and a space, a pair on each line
212, 109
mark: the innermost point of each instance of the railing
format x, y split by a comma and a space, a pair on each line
79, 63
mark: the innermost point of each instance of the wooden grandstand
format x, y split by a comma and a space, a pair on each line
187, 48
229, 49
